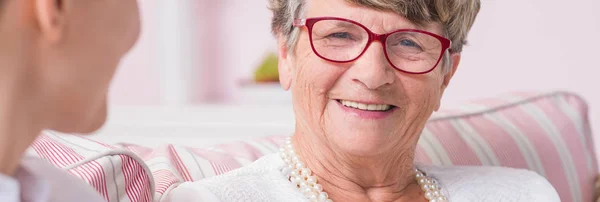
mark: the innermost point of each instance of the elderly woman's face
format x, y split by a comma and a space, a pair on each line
328, 96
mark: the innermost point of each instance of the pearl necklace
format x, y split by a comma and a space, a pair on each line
300, 176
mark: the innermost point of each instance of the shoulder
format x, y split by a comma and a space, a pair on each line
258, 181
485, 183
62, 185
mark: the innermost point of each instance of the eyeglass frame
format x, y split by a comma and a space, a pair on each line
310, 22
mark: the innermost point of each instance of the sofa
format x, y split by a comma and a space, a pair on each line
143, 153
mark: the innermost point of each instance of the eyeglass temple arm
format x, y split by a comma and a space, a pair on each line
299, 22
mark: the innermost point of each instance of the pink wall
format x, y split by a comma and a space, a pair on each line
533, 45
515, 45
136, 80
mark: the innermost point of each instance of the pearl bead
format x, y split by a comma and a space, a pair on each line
319, 187
294, 173
436, 193
323, 196
305, 172
422, 181
433, 200
442, 199
299, 165
299, 179
313, 197
311, 180
434, 187
428, 195
295, 159
419, 175
328, 200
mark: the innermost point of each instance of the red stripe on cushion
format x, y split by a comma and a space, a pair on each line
58, 155
164, 179
137, 181
174, 156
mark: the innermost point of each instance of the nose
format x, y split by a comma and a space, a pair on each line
372, 69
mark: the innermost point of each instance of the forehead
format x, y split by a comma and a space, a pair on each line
377, 21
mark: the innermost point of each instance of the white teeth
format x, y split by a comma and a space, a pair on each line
372, 107
368, 107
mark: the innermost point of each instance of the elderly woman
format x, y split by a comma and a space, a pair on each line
365, 76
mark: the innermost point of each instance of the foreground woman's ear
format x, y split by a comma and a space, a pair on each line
51, 18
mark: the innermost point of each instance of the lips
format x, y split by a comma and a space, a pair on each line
365, 106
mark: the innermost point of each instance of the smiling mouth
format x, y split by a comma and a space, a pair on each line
366, 107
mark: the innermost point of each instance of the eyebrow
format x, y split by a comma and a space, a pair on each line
411, 25
344, 24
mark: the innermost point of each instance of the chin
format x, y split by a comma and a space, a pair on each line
82, 121
361, 144
95, 120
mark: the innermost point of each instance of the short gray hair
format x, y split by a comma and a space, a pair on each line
456, 16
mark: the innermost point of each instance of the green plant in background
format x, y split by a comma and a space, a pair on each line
267, 71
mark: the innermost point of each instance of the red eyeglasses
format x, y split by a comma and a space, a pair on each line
341, 40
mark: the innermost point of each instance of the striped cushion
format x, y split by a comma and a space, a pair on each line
117, 174
548, 133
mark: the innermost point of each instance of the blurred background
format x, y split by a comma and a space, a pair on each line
209, 52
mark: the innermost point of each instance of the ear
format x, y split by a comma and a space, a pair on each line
283, 65
51, 18
455, 61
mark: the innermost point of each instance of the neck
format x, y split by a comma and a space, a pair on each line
389, 176
18, 127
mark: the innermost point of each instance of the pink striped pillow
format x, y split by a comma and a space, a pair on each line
548, 133
171, 165
117, 174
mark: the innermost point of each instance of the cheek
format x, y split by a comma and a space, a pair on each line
314, 76
313, 79
423, 93
132, 28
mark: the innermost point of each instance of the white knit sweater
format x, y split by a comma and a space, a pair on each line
262, 181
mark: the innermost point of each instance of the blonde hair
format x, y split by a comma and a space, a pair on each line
456, 16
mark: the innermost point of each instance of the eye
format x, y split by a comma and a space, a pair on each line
340, 35
409, 43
